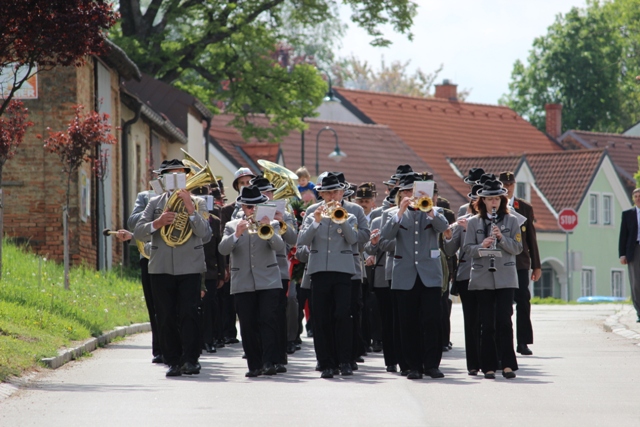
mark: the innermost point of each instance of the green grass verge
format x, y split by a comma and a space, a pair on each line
38, 316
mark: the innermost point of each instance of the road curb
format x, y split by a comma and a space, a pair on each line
613, 324
13, 384
68, 354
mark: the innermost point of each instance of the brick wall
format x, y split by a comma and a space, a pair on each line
34, 184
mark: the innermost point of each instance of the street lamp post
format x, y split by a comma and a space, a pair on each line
336, 154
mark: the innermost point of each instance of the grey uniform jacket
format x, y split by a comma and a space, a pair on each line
510, 245
302, 254
290, 236
253, 261
141, 202
388, 264
417, 251
456, 244
463, 210
330, 244
380, 252
184, 259
363, 236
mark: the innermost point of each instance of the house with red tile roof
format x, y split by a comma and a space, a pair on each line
585, 181
441, 127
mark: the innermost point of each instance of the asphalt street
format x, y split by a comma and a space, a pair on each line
580, 375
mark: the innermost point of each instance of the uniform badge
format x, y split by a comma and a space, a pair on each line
339, 230
518, 237
502, 227
524, 228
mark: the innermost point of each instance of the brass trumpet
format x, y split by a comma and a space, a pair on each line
425, 204
264, 231
335, 212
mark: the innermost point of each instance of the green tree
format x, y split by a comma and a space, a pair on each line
585, 62
225, 53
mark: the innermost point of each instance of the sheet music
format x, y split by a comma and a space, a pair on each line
423, 188
490, 252
280, 205
265, 209
156, 185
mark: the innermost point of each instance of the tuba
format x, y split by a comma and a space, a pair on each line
180, 231
284, 181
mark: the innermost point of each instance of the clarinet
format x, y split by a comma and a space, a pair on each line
494, 220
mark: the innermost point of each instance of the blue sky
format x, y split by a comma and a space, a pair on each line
477, 40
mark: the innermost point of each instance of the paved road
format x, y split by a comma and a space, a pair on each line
579, 375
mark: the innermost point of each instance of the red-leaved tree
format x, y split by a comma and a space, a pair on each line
48, 33
80, 143
13, 126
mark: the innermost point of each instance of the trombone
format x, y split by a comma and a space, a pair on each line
264, 231
335, 212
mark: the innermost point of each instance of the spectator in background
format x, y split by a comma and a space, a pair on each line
306, 188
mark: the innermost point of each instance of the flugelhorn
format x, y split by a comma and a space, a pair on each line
180, 231
335, 212
264, 231
425, 203
139, 243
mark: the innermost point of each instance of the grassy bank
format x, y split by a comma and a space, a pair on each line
38, 316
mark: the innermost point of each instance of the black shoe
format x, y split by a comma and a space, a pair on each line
280, 368
445, 348
219, 344
231, 341
392, 368
414, 375
359, 359
253, 373
404, 373
336, 371
174, 371
509, 375
327, 373
354, 366
472, 372
190, 368
157, 359
345, 369
291, 347
309, 333
244, 355
209, 348
268, 369
434, 373
450, 345
369, 349
490, 375
524, 350
377, 346
319, 367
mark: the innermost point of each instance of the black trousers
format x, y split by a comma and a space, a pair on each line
176, 300
471, 317
147, 290
420, 314
332, 322
496, 309
303, 296
446, 317
282, 324
524, 329
258, 316
358, 345
226, 303
385, 309
397, 327
209, 312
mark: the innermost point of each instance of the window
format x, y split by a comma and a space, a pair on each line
543, 288
617, 283
606, 210
521, 190
593, 208
588, 284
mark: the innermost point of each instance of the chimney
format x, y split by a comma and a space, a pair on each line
554, 119
447, 90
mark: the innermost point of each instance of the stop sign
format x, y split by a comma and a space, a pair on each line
567, 219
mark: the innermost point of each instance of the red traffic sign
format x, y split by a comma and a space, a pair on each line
567, 219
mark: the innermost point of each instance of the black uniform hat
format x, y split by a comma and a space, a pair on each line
251, 195
262, 183
173, 164
402, 170
474, 175
507, 177
492, 188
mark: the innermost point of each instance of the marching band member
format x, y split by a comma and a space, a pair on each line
494, 279
255, 283
331, 267
417, 276
175, 276
471, 179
